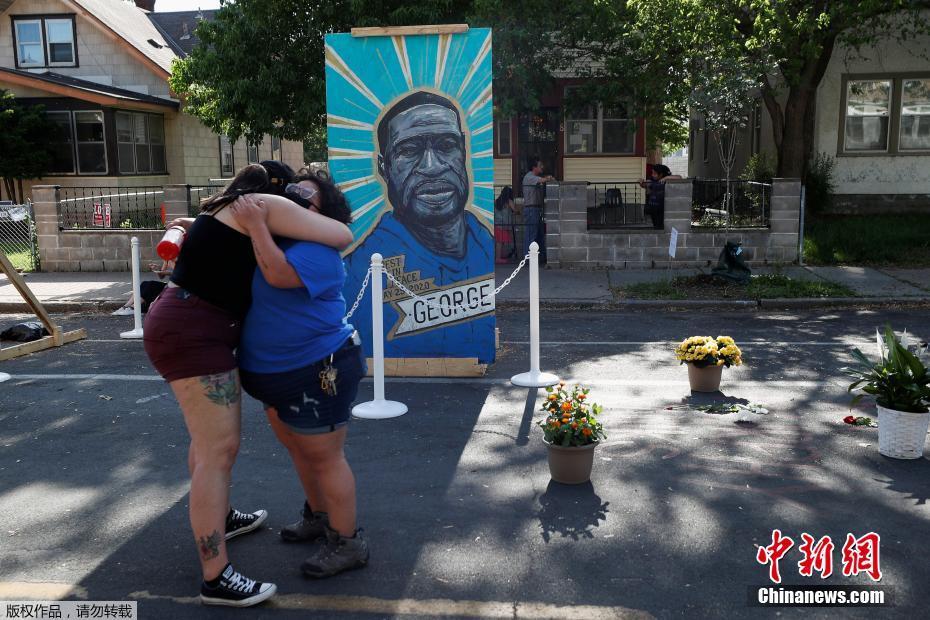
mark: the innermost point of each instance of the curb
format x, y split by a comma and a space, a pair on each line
58, 307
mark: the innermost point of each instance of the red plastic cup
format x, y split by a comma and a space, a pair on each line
170, 245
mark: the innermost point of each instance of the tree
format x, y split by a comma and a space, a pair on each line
24, 139
788, 45
259, 68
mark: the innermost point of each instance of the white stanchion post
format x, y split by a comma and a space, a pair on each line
534, 378
379, 408
135, 332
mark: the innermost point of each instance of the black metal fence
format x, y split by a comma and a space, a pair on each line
617, 205
510, 229
111, 207
199, 193
719, 203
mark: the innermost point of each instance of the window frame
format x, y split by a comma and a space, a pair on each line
499, 133
131, 114
77, 142
249, 150
895, 115
277, 154
599, 121
901, 115
232, 157
72, 144
42, 20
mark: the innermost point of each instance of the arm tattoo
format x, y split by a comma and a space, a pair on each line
222, 388
209, 545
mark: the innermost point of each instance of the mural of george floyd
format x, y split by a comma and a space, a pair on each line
409, 122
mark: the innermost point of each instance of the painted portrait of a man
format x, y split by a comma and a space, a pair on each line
418, 196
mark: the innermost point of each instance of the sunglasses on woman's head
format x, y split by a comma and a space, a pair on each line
304, 192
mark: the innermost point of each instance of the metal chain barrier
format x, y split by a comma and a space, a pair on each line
439, 306
361, 294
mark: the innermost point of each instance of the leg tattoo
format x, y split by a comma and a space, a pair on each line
210, 546
222, 388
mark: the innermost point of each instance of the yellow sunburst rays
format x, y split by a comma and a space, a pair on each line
400, 48
347, 123
482, 53
483, 129
337, 64
344, 153
480, 101
349, 185
442, 57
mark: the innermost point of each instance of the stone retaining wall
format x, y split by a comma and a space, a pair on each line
569, 243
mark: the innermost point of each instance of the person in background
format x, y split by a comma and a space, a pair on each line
655, 193
304, 362
533, 202
149, 290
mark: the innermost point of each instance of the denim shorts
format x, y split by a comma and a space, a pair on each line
298, 397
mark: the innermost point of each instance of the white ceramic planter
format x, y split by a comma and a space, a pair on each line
901, 435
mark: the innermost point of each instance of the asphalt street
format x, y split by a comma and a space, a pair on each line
455, 496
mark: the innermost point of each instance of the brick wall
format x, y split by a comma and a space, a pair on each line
569, 243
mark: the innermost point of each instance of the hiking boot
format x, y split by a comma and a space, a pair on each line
238, 523
312, 526
340, 553
236, 590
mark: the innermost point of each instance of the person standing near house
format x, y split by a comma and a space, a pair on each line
655, 193
533, 203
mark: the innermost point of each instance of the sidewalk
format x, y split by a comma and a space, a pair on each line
72, 292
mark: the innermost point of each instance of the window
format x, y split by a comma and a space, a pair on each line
618, 130
600, 129
276, 149
140, 143
868, 103
59, 37
227, 168
502, 133
45, 41
62, 143
251, 153
91, 144
915, 115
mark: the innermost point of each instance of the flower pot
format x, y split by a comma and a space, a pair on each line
901, 434
572, 464
704, 379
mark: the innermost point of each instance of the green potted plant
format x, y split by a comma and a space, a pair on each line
706, 358
571, 432
900, 384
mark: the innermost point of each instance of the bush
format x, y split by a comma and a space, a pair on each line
819, 184
760, 168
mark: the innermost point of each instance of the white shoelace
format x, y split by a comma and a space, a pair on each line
241, 584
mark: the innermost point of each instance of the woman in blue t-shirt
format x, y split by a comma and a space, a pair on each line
304, 362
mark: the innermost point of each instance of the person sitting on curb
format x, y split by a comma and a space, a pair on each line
149, 290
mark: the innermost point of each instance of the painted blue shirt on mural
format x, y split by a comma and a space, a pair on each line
455, 309
410, 132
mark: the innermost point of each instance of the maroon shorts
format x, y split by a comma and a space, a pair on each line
186, 336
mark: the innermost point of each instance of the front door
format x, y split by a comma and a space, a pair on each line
538, 137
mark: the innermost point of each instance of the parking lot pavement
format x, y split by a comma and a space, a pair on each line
455, 496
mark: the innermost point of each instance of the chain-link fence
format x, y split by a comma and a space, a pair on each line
18, 236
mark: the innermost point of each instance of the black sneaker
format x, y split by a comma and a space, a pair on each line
236, 590
339, 554
238, 523
311, 526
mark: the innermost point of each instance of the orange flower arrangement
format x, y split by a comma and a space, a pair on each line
570, 421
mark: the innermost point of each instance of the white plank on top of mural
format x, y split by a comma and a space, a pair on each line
411, 131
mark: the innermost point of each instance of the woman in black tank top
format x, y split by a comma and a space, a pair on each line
191, 333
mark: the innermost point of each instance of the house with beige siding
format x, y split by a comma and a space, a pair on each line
100, 68
872, 118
